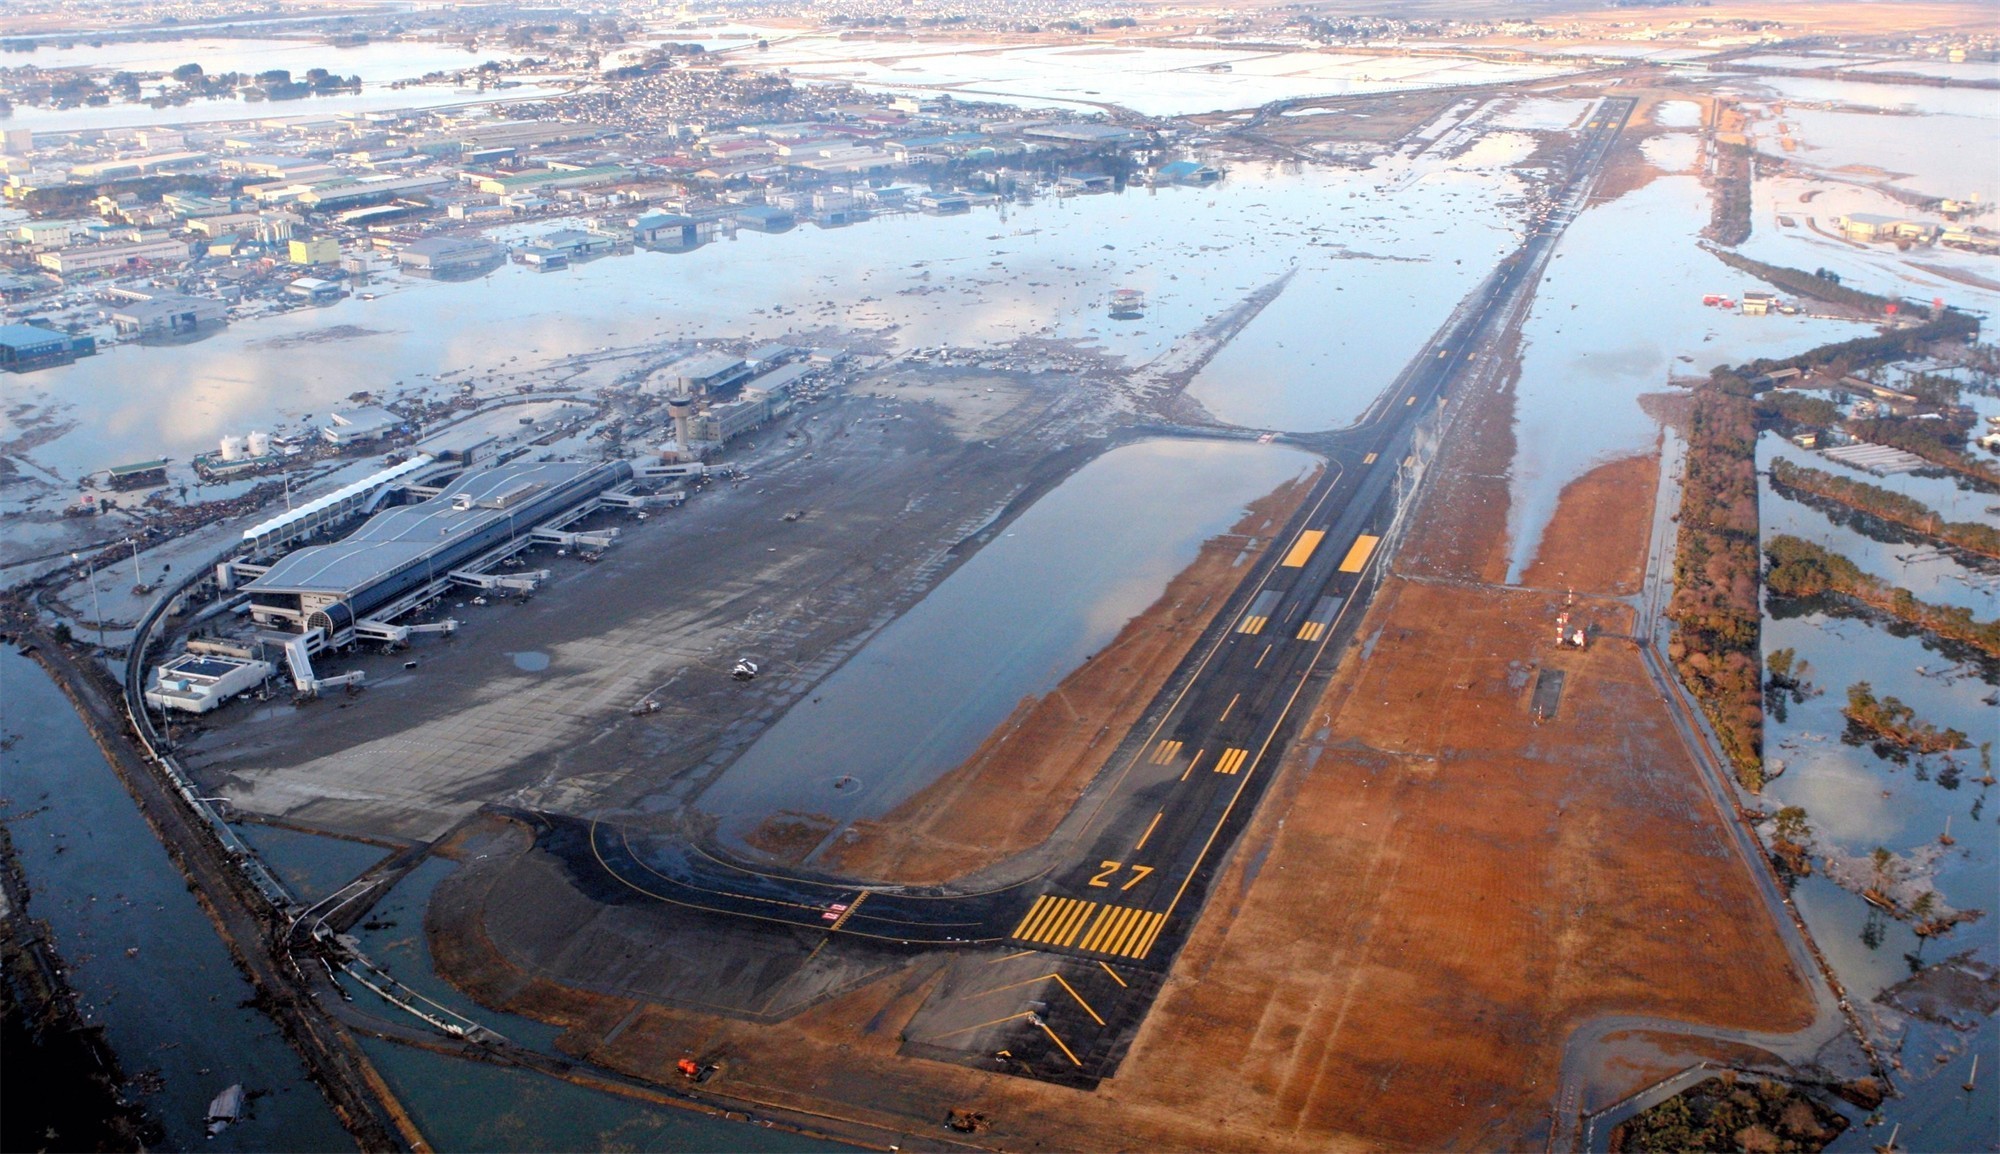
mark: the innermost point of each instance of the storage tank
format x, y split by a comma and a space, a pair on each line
232, 448
259, 444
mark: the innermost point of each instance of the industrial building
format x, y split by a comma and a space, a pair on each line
169, 315
139, 475
664, 230
25, 348
501, 184
83, 258
446, 256
316, 290
352, 426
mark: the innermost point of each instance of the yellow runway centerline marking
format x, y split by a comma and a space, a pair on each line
1411, 401
1227, 708
1357, 557
1114, 974
1196, 761
1149, 830
1302, 549
1261, 657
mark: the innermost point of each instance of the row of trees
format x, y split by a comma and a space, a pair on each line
1715, 606
1800, 568
1890, 720
1799, 282
1889, 505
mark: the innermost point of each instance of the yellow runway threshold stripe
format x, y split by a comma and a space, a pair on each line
1231, 760
1054, 921
1370, 458
1311, 631
1302, 549
1357, 557
1165, 752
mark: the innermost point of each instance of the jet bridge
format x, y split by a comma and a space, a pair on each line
298, 658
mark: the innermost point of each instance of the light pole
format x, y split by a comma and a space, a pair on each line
137, 581
96, 610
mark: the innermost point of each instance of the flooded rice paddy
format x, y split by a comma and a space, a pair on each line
1049, 591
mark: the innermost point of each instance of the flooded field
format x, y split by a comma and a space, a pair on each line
985, 278
1859, 797
378, 64
1618, 312
1151, 81
1058, 583
144, 959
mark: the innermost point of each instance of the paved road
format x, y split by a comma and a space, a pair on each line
1184, 784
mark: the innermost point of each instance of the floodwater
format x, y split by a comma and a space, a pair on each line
1856, 800
462, 1105
1936, 575
1383, 257
985, 278
1617, 311
378, 63
471, 1106
144, 958
1153, 81
1031, 606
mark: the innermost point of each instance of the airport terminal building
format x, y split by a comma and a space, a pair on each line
401, 551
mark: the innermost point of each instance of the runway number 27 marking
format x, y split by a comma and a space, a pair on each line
1106, 869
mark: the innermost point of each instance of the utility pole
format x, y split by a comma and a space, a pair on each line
96, 610
137, 580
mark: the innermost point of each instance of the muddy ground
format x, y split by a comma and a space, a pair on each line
533, 704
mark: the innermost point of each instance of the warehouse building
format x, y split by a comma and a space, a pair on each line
169, 315
25, 348
84, 258
448, 256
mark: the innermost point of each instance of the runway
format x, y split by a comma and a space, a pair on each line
1053, 974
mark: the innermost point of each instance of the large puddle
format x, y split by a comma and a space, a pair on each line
1012, 622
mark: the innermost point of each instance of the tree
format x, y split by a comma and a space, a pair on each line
1882, 860
187, 73
1791, 824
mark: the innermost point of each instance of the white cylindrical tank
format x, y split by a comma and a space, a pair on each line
259, 444
232, 448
